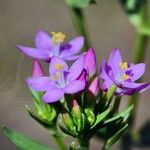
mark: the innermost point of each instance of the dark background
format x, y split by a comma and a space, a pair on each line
20, 20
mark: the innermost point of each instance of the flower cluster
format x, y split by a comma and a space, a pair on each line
73, 89
70, 80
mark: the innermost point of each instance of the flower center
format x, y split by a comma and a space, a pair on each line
125, 76
57, 37
56, 76
123, 65
58, 66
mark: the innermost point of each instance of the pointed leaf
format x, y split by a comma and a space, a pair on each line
115, 137
101, 116
78, 3
120, 115
23, 142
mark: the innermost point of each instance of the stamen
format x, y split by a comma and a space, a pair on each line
52, 77
124, 65
57, 37
125, 77
58, 66
58, 75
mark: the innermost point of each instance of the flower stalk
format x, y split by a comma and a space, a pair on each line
139, 55
79, 23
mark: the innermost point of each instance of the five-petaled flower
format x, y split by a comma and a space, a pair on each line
61, 80
122, 75
47, 47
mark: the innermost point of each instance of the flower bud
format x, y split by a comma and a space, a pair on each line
90, 62
90, 116
68, 122
77, 115
45, 112
94, 86
37, 70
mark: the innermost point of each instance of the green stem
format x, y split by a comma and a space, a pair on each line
116, 104
140, 49
139, 55
79, 23
84, 143
105, 147
60, 143
58, 139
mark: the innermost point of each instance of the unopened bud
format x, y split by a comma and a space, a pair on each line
68, 122
94, 86
37, 70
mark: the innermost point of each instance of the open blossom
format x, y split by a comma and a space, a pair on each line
47, 46
122, 74
61, 80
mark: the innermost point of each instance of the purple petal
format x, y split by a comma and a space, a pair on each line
34, 53
132, 85
90, 62
136, 71
83, 76
57, 65
104, 71
40, 83
43, 41
37, 70
72, 47
72, 57
53, 95
115, 60
76, 69
74, 87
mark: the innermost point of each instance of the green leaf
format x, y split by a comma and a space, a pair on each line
108, 96
78, 3
23, 142
44, 123
114, 138
120, 115
101, 116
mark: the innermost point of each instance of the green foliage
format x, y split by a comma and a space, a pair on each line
22, 142
110, 141
78, 3
101, 116
41, 121
122, 115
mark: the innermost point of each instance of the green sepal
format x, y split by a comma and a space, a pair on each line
101, 117
77, 117
68, 132
23, 142
36, 95
44, 123
68, 122
78, 3
90, 116
110, 141
120, 115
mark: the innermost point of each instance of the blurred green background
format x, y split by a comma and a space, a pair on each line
20, 20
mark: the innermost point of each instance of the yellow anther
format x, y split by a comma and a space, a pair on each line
58, 75
125, 77
124, 65
52, 77
57, 37
58, 66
